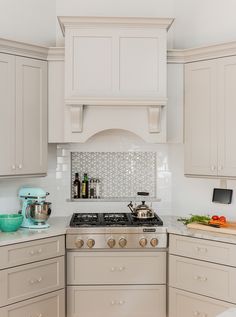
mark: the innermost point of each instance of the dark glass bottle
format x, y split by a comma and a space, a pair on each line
76, 186
85, 186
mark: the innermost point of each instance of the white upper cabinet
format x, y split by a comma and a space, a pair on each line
31, 113
23, 120
115, 61
226, 116
7, 114
210, 98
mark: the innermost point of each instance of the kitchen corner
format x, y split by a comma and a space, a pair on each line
125, 115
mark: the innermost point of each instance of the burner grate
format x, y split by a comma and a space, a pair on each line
84, 219
116, 219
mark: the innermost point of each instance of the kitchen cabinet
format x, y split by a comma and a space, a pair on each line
115, 61
116, 301
23, 120
124, 283
56, 99
201, 277
210, 97
33, 279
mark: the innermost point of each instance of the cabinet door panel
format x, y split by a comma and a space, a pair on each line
116, 301
200, 118
141, 72
84, 75
184, 304
31, 109
7, 114
226, 116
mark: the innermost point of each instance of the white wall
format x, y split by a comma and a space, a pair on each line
194, 195
204, 22
32, 21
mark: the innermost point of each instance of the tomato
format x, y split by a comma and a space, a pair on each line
222, 219
215, 217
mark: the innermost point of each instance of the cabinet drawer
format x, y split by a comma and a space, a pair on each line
27, 252
116, 268
116, 301
204, 278
49, 305
183, 304
30, 280
212, 251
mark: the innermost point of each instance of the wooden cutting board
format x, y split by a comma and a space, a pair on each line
230, 229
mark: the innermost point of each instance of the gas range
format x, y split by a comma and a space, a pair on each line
115, 231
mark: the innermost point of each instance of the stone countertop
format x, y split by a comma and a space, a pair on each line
177, 227
59, 225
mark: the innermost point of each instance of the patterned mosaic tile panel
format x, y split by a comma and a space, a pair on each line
122, 174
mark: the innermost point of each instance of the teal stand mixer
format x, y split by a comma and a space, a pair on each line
35, 209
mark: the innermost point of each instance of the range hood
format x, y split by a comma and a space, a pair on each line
113, 62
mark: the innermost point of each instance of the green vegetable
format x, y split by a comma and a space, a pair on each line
195, 218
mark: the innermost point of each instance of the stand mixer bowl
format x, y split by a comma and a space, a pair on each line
38, 212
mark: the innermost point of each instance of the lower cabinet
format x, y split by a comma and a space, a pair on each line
116, 284
48, 305
185, 304
25, 281
116, 301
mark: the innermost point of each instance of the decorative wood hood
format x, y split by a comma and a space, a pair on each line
115, 62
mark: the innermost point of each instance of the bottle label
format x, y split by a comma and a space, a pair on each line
83, 189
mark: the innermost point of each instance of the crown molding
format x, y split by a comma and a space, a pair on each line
175, 56
56, 54
72, 21
23, 49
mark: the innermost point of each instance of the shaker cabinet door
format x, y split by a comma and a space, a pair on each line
200, 118
227, 115
7, 114
31, 111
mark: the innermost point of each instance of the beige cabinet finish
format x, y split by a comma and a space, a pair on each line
48, 305
184, 304
56, 101
200, 249
115, 60
27, 252
209, 117
200, 118
7, 117
30, 280
226, 116
116, 268
31, 114
116, 301
23, 95
213, 280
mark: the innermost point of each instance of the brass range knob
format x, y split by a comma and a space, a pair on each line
79, 243
111, 242
122, 242
143, 242
90, 243
154, 242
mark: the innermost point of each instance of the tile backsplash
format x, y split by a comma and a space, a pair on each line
122, 174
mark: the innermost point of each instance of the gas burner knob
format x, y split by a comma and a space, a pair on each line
122, 242
90, 243
79, 243
143, 242
154, 242
111, 242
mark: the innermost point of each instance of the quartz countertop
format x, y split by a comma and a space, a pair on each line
177, 227
59, 225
